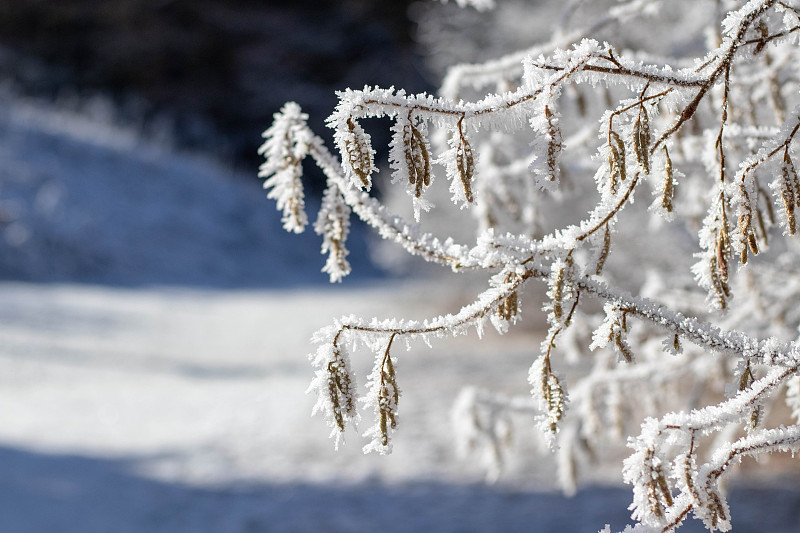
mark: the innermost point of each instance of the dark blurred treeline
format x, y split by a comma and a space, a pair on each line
218, 69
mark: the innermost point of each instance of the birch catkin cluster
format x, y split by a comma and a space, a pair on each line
642, 157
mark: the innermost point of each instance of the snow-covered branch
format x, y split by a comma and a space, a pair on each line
612, 107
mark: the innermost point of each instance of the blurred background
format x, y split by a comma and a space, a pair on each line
201, 77
155, 318
215, 71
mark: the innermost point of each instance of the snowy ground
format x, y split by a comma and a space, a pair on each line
165, 391
182, 410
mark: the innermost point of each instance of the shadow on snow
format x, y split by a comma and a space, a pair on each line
87, 203
43, 493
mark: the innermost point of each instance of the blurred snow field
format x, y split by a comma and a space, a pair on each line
153, 365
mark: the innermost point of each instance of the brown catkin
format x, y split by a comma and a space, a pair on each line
752, 242
722, 253
616, 159
720, 287
790, 175
417, 159
788, 206
558, 294
762, 227
641, 140
358, 153
669, 184
553, 145
333, 394
743, 225
604, 251
465, 164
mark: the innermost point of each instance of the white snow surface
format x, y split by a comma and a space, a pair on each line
153, 369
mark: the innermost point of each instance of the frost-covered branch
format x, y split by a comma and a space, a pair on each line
695, 334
